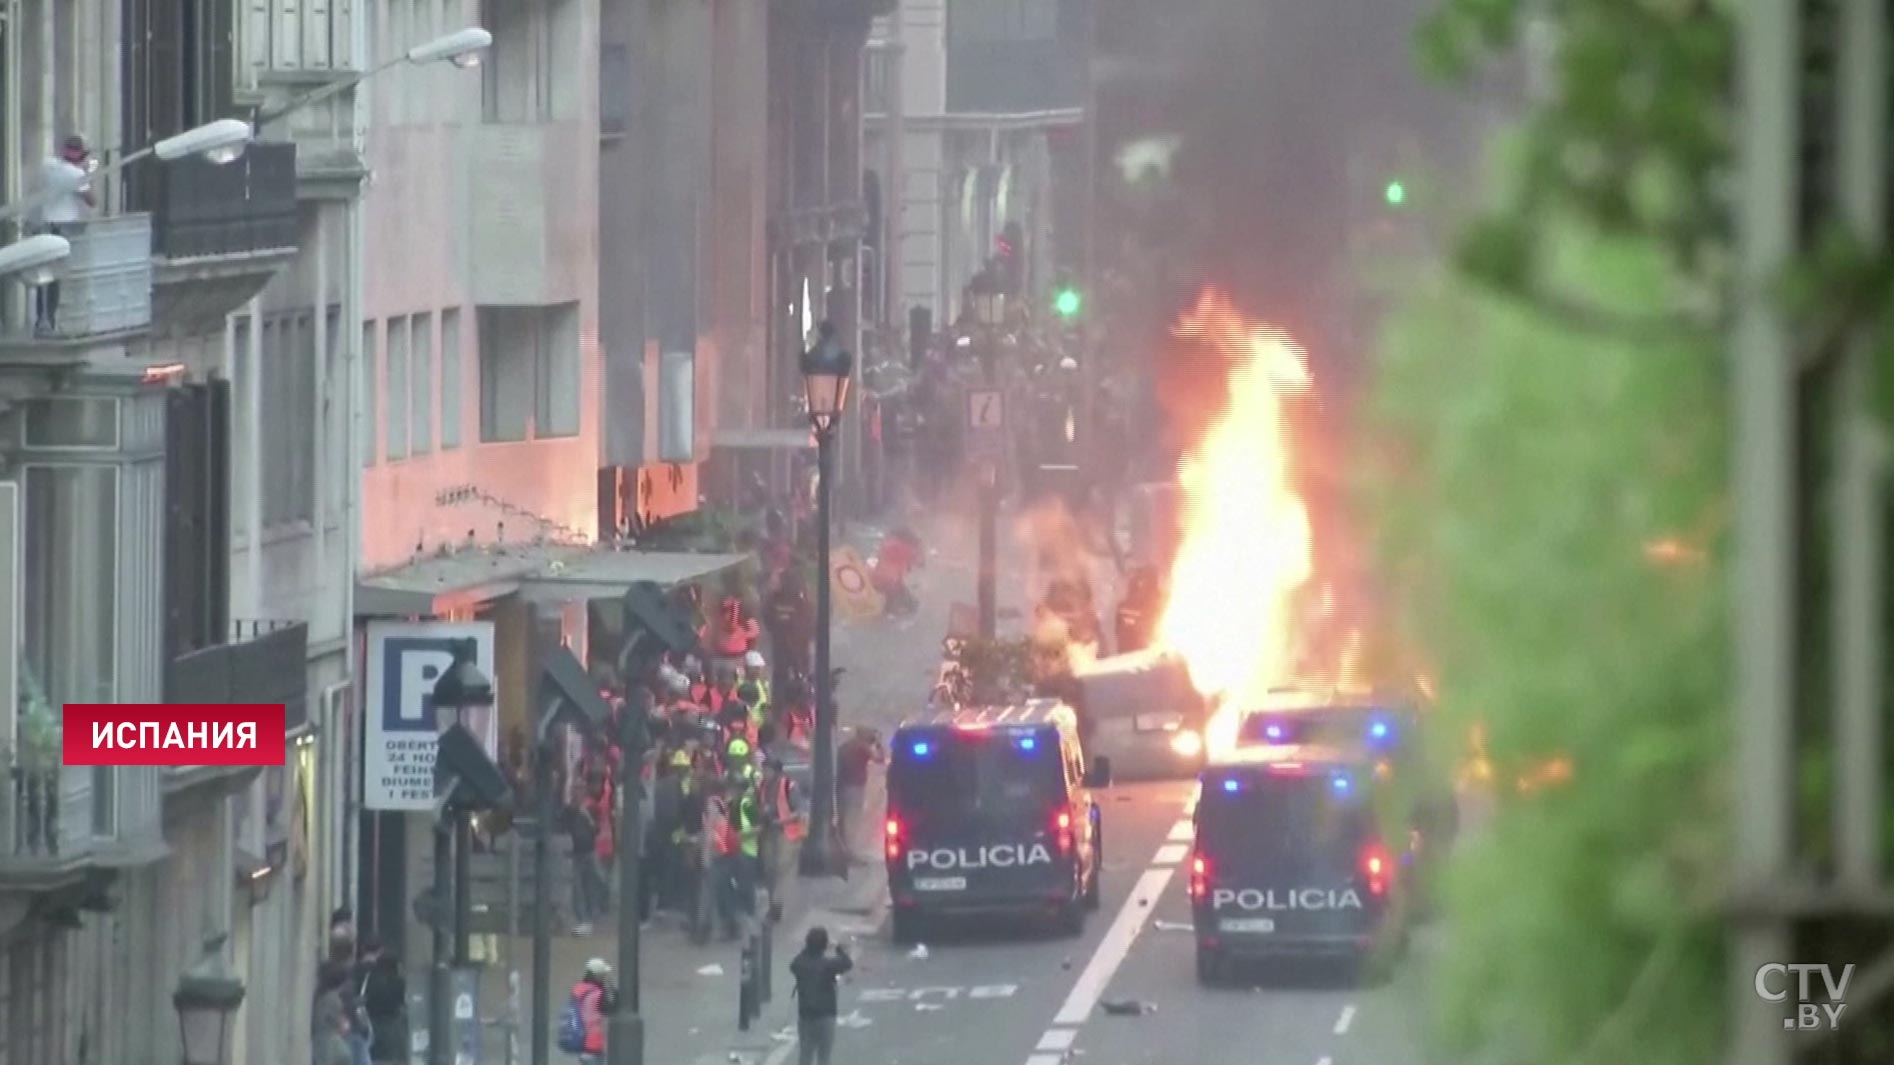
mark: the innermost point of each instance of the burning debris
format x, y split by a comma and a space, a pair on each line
1246, 549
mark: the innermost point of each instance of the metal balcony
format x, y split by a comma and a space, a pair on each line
219, 233
46, 829
263, 662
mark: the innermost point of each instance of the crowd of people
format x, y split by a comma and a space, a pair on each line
361, 1008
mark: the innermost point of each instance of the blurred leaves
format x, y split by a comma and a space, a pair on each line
1540, 464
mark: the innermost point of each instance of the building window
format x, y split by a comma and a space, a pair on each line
421, 344
287, 419
529, 372
451, 413
614, 89
70, 610
371, 409
396, 420
875, 65
525, 77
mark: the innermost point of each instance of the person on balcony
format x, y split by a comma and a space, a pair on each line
65, 200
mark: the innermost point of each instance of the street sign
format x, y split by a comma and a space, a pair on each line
404, 660
986, 410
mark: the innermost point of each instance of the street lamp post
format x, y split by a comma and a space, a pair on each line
826, 371
206, 996
461, 48
221, 141
462, 696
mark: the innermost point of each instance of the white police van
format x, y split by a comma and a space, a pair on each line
1299, 852
991, 810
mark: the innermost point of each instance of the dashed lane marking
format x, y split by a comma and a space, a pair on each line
1183, 832
1170, 854
1058, 1039
1347, 1018
1046, 1059
1324, 1061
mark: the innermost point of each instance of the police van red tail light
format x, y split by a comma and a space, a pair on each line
1377, 865
1199, 876
1062, 831
894, 834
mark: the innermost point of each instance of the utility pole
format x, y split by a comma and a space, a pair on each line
440, 1034
1763, 433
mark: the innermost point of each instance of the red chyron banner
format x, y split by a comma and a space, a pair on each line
175, 734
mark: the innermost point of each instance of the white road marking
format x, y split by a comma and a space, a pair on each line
1324, 1061
1046, 1059
1057, 1039
1347, 1018
1170, 854
1183, 832
1114, 947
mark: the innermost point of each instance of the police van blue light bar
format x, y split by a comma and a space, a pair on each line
922, 748
1380, 729
1230, 784
1340, 783
1275, 732
1027, 743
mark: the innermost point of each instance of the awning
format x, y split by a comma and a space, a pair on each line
431, 587
605, 574
764, 439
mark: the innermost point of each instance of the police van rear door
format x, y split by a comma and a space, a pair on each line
975, 812
1289, 851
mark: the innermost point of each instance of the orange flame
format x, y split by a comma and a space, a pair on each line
1246, 546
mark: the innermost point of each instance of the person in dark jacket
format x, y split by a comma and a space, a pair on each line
816, 971
385, 1000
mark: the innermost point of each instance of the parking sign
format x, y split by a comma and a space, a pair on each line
404, 660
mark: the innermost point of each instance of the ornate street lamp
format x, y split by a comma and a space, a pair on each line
462, 696
206, 996
826, 371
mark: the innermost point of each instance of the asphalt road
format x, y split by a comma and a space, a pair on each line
1015, 994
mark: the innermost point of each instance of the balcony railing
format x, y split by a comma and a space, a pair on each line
203, 210
105, 283
264, 662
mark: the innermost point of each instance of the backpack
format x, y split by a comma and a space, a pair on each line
572, 1027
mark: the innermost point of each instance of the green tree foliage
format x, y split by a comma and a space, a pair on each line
1552, 487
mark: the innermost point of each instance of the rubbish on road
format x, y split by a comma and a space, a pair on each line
854, 1020
919, 953
1144, 902
786, 1034
928, 1006
713, 969
1066, 964
1172, 926
1127, 1007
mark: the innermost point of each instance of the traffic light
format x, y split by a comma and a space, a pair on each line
1068, 302
1395, 194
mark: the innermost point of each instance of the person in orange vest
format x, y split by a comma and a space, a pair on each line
582, 1029
784, 825
723, 825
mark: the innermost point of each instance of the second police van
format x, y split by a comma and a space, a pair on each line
1299, 852
992, 810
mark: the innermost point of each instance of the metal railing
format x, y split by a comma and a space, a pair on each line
104, 285
29, 807
202, 210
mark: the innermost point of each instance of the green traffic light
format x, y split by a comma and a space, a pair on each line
1068, 302
1396, 194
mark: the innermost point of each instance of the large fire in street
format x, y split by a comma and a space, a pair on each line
1246, 547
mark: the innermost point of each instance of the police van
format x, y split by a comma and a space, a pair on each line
1299, 852
1388, 727
991, 810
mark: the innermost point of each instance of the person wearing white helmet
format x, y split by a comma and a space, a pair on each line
756, 671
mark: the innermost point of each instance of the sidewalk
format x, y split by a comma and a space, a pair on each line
689, 992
